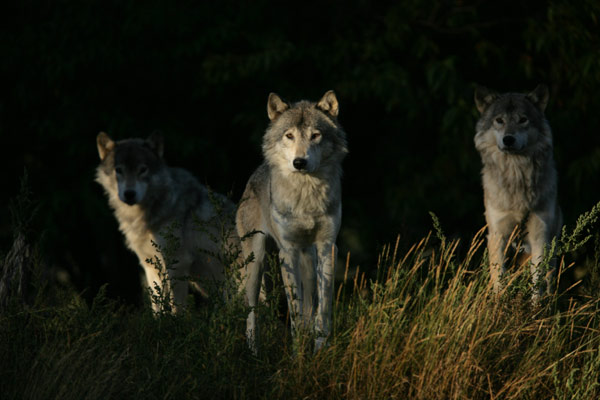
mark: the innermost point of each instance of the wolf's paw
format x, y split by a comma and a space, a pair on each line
251, 341
320, 342
251, 333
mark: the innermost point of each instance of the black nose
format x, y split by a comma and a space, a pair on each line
300, 163
508, 140
129, 196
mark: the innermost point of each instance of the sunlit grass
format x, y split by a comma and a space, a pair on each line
427, 325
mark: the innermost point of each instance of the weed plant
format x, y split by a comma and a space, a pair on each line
428, 326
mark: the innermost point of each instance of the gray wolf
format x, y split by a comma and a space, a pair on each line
152, 201
294, 197
519, 178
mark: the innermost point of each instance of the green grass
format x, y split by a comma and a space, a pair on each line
427, 327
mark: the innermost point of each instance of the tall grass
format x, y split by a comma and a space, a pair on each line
427, 326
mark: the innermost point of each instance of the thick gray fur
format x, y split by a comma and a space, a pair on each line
519, 178
149, 198
294, 197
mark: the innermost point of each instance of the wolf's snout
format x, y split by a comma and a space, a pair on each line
300, 163
508, 140
129, 197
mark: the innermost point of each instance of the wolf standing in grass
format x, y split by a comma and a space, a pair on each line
294, 197
149, 198
519, 178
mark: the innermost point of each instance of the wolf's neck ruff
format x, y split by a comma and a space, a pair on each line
518, 179
297, 194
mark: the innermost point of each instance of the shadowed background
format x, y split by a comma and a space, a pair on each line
200, 72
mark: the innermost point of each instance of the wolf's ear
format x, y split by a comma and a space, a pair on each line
329, 104
484, 97
539, 97
156, 143
275, 106
105, 145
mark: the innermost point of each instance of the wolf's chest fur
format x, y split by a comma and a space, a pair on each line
511, 182
301, 201
134, 226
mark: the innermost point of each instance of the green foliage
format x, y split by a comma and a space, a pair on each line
580, 383
23, 208
437, 227
583, 231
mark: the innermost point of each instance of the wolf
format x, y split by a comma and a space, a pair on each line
153, 202
294, 198
519, 178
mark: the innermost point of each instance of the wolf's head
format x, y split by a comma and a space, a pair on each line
127, 166
305, 136
514, 120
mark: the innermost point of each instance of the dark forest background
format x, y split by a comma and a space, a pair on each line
200, 72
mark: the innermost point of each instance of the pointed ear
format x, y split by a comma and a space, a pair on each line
276, 106
105, 145
329, 104
484, 97
156, 143
539, 97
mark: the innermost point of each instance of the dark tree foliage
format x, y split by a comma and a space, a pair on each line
404, 72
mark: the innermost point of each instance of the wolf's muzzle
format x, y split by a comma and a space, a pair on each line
300, 163
508, 140
129, 196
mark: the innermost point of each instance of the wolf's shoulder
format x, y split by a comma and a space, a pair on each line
186, 187
182, 176
259, 178
261, 173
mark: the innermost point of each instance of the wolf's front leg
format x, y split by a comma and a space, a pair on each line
326, 253
179, 282
290, 273
539, 238
501, 224
308, 276
159, 288
496, 249
251, 281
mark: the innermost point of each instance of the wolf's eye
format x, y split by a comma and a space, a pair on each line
315, 136
523, 120
289, 135
119, 170
499, 121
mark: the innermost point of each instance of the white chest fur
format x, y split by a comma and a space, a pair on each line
304, 206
